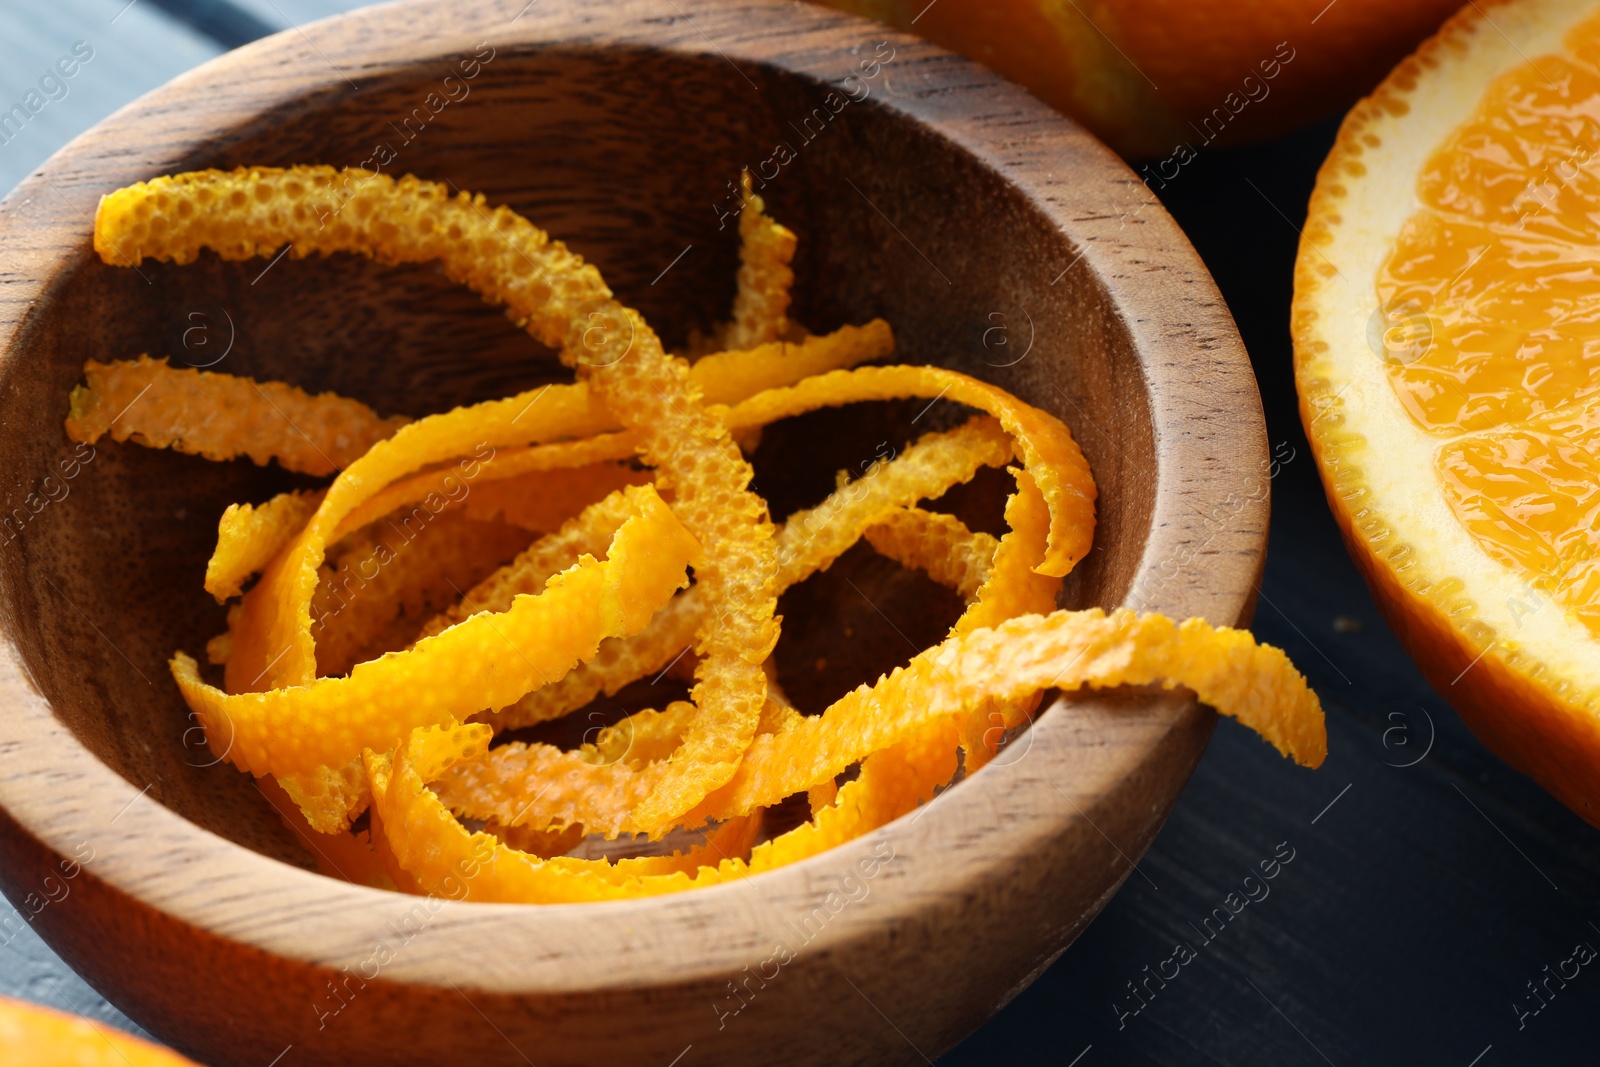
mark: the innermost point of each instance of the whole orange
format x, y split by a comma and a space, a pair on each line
1155, 77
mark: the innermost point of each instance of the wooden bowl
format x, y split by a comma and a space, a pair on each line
995, 235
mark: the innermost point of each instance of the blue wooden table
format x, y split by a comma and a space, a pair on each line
1421, 884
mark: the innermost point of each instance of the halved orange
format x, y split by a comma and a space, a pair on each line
31, 1036
1447, 351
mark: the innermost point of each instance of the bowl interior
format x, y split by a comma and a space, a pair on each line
102, 567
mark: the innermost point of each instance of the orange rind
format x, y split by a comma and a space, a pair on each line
503, 564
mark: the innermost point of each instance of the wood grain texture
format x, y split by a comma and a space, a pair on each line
941, 199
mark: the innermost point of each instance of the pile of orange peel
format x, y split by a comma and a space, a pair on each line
647, 539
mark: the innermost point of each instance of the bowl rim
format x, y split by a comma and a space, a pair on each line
1153, 280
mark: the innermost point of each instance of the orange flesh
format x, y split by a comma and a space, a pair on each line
1489, 322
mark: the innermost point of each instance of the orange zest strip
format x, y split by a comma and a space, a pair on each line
586, 533
894, 780
732, 376
256, 211
487, 661
939, 544
528, 487
1226, 668
1009, 663
761, 304
810, 541
695, 456
1043, 442
221, 416
390, 578
273, 643
1014, 587
248, 537
436, 855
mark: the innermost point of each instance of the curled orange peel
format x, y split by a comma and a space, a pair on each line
244, 547
766, 247
537, 782
256, 211
395, 724
809, 541
939, 544
895, 780
249, 536
695, 456
569, 476
276, 615
1043, 442
221, 416
1007, 663
388, 579
487, 661
437, 855
1065, 650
